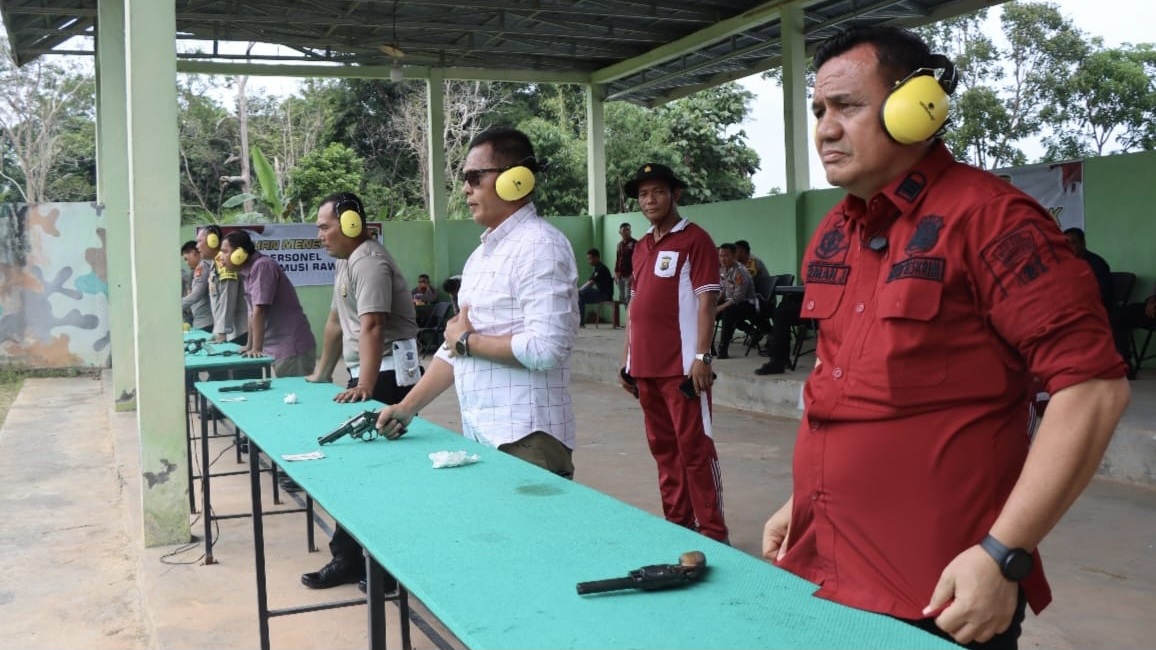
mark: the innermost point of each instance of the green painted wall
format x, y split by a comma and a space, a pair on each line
768, 223
1119, 195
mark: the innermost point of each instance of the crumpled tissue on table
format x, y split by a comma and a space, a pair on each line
290, 398
309, 455
452, 459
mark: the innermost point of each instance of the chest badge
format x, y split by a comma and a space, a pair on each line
926, 234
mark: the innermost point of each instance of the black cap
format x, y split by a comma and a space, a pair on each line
651, 171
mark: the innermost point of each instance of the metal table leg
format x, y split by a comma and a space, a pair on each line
206, 506
375, 600
259, 545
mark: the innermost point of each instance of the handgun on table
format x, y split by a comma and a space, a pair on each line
362, 426
248, 387
691, 568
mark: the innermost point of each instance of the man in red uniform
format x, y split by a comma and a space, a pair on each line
940, 292
666, 359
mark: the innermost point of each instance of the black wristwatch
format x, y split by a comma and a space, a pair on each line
1014, 563
705, 357
462, 347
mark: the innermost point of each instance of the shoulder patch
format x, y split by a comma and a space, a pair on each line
1019, 257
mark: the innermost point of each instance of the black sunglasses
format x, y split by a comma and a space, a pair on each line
474, 176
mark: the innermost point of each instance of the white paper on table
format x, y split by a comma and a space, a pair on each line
452, 459
232, 399
290, 398
310, 455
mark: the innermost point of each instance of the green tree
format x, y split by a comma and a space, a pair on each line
46, 110
336, 167
207, 136
1108, 99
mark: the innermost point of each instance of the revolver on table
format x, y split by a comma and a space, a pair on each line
362, 426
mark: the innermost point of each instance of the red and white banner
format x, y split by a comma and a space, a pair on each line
1059, 187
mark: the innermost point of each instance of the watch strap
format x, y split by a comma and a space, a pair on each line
995, 548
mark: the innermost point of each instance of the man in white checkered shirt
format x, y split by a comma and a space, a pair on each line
508, 350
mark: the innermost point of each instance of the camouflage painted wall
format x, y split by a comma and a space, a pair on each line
53, 286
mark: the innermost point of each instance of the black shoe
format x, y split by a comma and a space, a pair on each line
338, 572
723, 353
390, 584
770, 368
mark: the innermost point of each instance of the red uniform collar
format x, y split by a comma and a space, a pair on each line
902, 195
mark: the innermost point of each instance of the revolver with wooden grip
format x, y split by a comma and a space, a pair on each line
691, 568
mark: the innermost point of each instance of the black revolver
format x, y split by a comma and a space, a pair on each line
248, 387
691, 568
362, 426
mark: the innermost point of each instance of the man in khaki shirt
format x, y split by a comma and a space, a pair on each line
372, 325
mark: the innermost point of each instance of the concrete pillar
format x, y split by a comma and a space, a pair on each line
112, 193
797, 136
595, 151
438, 199
154, 217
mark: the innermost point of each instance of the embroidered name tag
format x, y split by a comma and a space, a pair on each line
827, 273
925, 268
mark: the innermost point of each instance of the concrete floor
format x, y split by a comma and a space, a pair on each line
76, 576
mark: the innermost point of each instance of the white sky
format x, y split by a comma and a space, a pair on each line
1116, 21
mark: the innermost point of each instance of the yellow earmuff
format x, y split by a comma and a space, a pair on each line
212, 240
238, 256
916, 108
515, 183
350, 222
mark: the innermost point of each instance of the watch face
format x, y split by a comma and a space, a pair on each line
1017, 565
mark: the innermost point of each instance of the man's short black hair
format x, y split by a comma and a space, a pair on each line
241, 239
423, 276
510, 146
743, 245
345, 199
1078, 233
624, 225
727, 247
594, 252
188, 247
898, 51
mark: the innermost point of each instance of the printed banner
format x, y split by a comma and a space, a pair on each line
296, 248
1059, 187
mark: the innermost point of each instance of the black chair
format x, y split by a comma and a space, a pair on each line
1122, 284
431, 333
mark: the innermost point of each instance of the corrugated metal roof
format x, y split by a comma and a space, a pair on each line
645, 51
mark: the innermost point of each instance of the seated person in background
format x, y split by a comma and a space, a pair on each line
737, 306
599, 288
755, 267
1137, 315
196, 302
1099, 267
1103, 273
423, 293
786, 316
